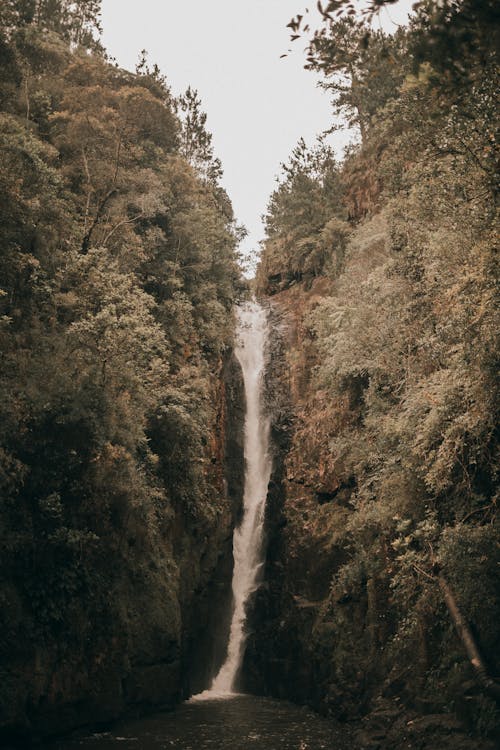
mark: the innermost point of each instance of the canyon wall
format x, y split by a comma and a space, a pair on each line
154, 628
323, 634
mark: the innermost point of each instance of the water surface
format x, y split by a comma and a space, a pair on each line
241, 722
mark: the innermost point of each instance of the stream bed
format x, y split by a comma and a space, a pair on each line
240, 722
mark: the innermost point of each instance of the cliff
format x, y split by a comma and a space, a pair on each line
153, 628
121, 407
330, 627
382, 601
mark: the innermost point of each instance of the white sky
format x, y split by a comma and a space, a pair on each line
258, 105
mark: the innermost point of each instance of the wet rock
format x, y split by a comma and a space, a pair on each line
154, 685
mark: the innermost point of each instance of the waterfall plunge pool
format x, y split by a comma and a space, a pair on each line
237, 722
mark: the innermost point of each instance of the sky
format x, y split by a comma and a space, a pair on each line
258, 104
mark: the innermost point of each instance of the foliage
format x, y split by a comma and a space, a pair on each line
196, 141
76, 22
304, 221
118, 274
399, 417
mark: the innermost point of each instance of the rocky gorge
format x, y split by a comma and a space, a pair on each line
134, 458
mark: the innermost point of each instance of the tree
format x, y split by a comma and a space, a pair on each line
363, 69
77, 22
196, 141
307, 197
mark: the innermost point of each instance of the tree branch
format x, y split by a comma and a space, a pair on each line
100, 210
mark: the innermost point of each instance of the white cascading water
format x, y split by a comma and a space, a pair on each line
248, 538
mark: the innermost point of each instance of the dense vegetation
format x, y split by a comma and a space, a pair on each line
388, 264
118, 274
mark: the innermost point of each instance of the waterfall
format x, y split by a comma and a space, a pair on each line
248, 551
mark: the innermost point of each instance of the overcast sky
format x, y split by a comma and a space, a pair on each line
258, 105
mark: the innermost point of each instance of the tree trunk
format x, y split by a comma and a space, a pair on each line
372, 615
464, 632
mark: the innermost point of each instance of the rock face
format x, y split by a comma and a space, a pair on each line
207, 625
162, 631
293, 650
280, 658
